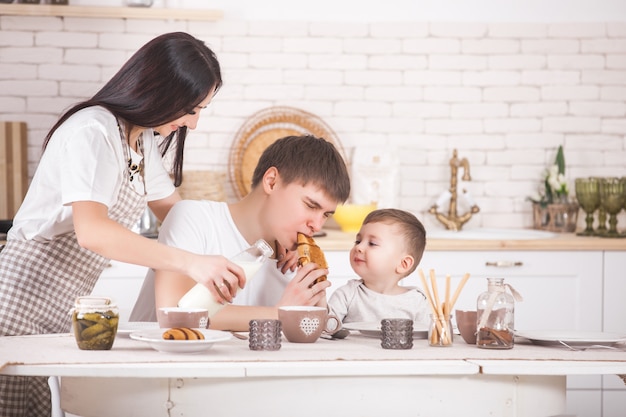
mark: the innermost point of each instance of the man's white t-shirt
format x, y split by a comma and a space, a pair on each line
207, 227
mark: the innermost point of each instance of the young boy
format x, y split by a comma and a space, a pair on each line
388, 247
296, 186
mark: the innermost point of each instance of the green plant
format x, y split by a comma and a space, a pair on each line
555, 187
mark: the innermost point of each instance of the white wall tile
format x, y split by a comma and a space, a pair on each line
433, 77
485, 78
597, 108
518, 30
581, 92
458, 29
568, 62
517, 62
616, 61
616, 29
16, 38
479, 110
577, 30
538, 109
66, 39
550, 46
604, 77
432, 46
572, 124
490, 46
399, 29
452, 94
550, 77
511, 94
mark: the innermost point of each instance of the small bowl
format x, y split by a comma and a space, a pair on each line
350, 216
183, 317
466, 322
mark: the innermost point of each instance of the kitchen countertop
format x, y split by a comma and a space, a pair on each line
336, 240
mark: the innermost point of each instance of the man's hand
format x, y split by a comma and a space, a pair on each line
298, 293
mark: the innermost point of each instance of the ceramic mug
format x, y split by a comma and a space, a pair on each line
169, 317
466, 322
304, 324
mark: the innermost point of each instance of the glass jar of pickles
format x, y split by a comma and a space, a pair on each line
94, 321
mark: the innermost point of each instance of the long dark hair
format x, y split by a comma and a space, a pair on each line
164, 80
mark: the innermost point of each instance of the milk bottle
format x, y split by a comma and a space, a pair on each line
250, 260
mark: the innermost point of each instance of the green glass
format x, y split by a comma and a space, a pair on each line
612, 200
588, 196
624, 206
601, 229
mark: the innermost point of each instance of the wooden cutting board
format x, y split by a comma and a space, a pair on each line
13, 167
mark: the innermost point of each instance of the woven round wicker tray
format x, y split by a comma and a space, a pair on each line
261, 130
203, 185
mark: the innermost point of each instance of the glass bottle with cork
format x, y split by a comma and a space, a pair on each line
495, 315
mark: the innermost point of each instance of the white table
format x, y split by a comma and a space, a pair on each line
351, 377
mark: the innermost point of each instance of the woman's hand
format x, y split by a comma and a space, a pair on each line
299, 291
221, 276
286, 260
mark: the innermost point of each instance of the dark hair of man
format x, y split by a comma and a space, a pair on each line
306, 159
411, 228
164, 80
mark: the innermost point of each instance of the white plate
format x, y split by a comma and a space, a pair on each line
372, 329
126, 328
571, 337
155, 339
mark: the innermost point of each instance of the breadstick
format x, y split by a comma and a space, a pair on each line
433, 282
446, 304
432, 306
458, 289
441, 320
427, 292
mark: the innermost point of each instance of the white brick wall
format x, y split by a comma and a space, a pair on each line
505, 94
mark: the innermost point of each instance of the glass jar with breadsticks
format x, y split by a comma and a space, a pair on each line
440, 331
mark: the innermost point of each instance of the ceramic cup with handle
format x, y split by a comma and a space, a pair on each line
183, 317
466, 322
305, 324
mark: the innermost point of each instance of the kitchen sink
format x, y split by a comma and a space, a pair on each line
491, 234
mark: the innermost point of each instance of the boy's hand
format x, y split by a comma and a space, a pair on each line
285, 260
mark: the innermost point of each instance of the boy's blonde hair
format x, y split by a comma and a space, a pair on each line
413, 231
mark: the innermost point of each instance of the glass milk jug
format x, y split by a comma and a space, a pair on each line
495, 317
250, 260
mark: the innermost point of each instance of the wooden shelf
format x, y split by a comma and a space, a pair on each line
109, 12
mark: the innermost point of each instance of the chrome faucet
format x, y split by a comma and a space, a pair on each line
453, 221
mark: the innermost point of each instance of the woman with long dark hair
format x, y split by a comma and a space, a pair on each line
101, 165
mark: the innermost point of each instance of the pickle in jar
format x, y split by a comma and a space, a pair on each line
95, 330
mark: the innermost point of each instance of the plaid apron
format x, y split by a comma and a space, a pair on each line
39, 282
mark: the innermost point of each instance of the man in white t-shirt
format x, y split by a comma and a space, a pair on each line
296, 186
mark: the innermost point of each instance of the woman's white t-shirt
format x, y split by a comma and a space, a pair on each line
84, 161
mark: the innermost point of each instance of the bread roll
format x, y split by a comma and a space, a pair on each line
183, 333
309, 251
